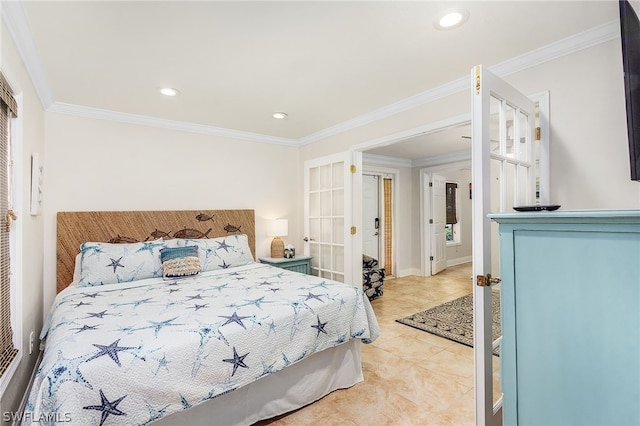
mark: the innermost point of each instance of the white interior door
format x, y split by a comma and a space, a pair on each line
371, 216
437, 223
330, 221
503, 177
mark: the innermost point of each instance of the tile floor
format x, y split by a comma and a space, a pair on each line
411, 377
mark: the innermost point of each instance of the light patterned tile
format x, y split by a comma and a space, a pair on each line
411, 377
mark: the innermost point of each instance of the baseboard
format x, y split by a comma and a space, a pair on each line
408, 272
25, 397
418, 272
459, 261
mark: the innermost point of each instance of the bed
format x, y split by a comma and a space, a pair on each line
138, 338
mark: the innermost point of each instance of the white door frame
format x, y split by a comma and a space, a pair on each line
376, 234
425, 206
393, 174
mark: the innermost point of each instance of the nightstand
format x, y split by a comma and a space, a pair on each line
298, 264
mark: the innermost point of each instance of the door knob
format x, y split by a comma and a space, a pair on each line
487, 280
307, 239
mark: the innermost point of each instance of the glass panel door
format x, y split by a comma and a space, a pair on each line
327, 187
503, 177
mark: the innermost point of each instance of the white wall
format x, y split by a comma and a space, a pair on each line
93, 164
30, 276
588, 149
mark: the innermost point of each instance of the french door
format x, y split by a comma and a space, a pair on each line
503, 169
438, 255
331, 218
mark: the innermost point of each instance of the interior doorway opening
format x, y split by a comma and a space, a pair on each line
378, 236
437, 254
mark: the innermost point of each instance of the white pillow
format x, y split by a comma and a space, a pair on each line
221, 252
76, 268
106, 263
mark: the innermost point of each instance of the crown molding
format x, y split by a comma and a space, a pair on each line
443, 159
411, 102
89, 112
16, 21
566, 46
413, 132
456, 157
17, 24
383, 160
563, 47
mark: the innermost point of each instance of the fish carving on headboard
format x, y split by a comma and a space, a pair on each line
203, 217
123, 240
191, 233
232, 228
160, 234
75, 228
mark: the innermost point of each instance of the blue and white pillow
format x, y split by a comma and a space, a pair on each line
179, 262
107, 263
221, 252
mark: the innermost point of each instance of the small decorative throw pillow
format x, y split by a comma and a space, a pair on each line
178, 262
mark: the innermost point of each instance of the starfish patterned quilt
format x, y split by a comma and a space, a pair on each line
131, 353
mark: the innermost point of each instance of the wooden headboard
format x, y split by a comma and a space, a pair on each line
75, 228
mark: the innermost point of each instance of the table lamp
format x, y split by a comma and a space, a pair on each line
277, 228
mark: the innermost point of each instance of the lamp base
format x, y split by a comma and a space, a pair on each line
277, 247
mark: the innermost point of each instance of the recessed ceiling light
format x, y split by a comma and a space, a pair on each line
451, 18
279, 115
168, 91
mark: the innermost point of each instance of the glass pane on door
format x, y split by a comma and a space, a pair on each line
522, 147
494, 125
326, 209
510, 183
524, 189
509, 132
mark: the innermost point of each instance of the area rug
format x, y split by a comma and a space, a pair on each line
454, 320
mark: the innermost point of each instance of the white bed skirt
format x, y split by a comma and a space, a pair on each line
287, 390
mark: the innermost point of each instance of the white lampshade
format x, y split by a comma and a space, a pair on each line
278, 228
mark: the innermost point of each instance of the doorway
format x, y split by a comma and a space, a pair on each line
457, 242
371, 215
378, 217
440, 145
408, 156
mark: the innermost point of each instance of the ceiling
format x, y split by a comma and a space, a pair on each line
235, 63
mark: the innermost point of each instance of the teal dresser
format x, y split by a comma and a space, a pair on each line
570, 298
298, 264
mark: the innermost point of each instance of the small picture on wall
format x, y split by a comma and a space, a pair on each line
36, 184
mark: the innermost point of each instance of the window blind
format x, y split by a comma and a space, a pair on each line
451, 203
8, 109
388, 230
